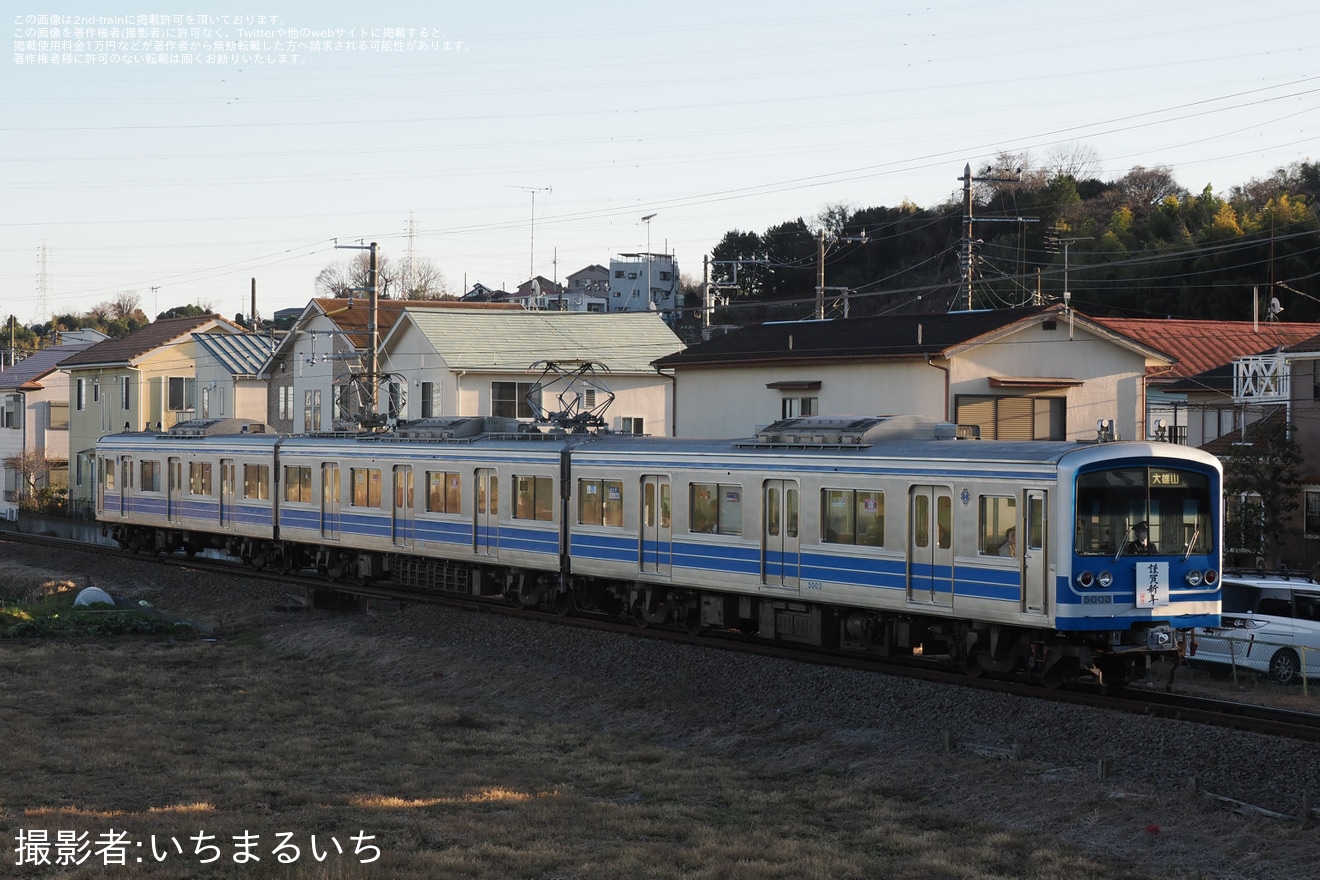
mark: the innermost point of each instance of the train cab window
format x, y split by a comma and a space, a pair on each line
149, 480
256, 481
366, 487
443, 492
716, 508
534, 498
1173, 507
600, 503
853, 517
199, 478
298, 483
998, 514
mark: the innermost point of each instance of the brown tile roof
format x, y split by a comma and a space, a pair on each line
1226, 444
126, 349
353, 315
1201, 346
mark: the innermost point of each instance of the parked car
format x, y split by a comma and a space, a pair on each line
1270, 624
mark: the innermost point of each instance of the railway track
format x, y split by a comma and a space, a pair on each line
1230, 714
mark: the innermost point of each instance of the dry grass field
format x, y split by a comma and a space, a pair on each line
293, 731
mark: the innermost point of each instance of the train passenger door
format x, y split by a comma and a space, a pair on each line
330, 518
486, 525
126, 485
402, 523
1035, 559
780, 560
656, 539
930, 545
174, 489
226, 493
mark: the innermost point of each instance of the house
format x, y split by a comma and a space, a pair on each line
317, 375
1191, 400
34, 424
644, 282
228, 383
132, 383
1042, 372
593, 279
449, 363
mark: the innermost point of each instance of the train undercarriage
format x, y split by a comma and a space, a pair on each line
976, 647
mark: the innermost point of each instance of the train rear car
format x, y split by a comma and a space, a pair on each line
203, 484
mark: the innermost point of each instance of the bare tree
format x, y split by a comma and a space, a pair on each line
1144, 188
125, 303
33, 468
425, 281
352, 277
1073, 159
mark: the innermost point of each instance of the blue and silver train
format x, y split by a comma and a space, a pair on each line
1055, 560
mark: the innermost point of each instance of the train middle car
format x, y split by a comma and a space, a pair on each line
882, 534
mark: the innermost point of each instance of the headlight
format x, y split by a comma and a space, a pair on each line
1105, 579
1193, 578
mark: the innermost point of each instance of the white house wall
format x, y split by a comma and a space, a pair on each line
1112, 376
724, 403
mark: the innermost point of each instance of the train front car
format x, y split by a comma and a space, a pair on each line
1141, 529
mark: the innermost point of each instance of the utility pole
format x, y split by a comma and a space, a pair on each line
820, 269
969, 258
373, 343
531, 269
647, 220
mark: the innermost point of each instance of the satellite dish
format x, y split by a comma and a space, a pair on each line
1275, 308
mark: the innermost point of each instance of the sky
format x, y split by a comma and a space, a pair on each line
235, 141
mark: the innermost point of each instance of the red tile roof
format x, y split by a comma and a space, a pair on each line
1203, 345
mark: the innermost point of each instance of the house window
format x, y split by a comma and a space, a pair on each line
509, 400
80, 395
428, 400
125, 393
665, 276
312, 409
1312, 513
795, 407
206, 403
534, 498
631, 425
11, 414
1014, 418
716, 508
58, 415
182, 394
96, 391
618, 273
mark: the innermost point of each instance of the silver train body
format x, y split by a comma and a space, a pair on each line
874, 534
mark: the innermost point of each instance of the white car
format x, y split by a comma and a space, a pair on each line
1269, 624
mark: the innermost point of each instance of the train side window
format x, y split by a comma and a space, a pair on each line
108, 472
716, 508
600, 503
199, 478
256, 482
443, 492
366, 487
534, 498
150, 478
998, 513
853, 517
298, 483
